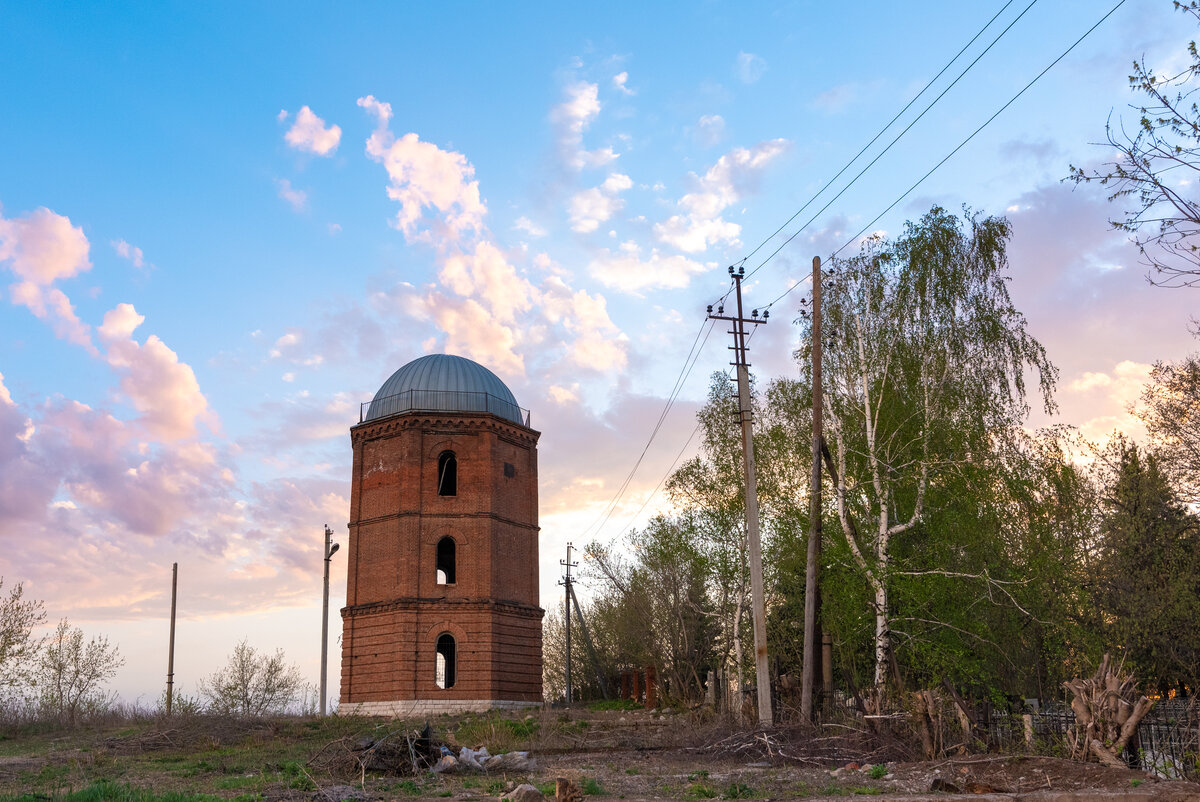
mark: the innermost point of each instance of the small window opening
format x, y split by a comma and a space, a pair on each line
445, 661
447, 474
445, 561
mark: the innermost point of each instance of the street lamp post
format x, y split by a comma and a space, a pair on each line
330, 548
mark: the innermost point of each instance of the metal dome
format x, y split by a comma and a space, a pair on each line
445, 383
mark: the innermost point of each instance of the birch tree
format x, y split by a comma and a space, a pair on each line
926, 360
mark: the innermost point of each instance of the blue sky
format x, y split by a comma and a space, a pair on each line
203, 271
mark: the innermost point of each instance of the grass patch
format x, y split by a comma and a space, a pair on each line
106, 791
700, 791
614, 704
738, 791
591, 787
497, 733
878, 771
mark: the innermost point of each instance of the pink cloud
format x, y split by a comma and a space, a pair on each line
423, 176
41, 248
732, 176
158, 385
310, 134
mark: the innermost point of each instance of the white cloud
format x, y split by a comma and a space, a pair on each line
40, 248
597, 343
529, 227
627, 271
422, 175
571, 118
729, 179
484, 274
130, 252
158, 385
591, 207
836, 98
619, 83
711, 129
296, 198
309, 134
749, 67
563, 395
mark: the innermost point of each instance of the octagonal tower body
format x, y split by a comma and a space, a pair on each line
442, 607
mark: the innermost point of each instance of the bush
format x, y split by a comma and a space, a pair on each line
252, 684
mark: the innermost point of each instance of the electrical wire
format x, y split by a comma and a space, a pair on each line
959, 147
896, 139
671, 469
688, 363
880, 133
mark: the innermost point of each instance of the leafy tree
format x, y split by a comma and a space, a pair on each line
1170, 408
925, 366
1149, 573
18, 647
658, 604
71, 674
1157, 167
252, 683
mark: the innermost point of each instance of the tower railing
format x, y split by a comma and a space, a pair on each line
442, 401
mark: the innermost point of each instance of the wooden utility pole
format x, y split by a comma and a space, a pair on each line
587, 642
570, 594
330, 548
811, 647
171, 641
745, 414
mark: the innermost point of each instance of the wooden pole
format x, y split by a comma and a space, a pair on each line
766, 717
758, 595
171, 642
811, 647
568, 595
330, 548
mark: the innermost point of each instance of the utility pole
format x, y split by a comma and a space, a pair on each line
814, 513
745, 414
171, 642
330, 548
566, 581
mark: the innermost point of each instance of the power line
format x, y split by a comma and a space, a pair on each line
880, 133
688, 363
671, 469
985, 124
960, 145
898, 136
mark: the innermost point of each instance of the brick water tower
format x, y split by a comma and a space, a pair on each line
442, 607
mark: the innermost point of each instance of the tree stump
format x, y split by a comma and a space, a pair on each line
1107, 710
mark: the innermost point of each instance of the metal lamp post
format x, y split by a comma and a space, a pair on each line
330, 548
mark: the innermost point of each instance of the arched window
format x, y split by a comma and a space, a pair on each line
447, 474
446, 660
445, 561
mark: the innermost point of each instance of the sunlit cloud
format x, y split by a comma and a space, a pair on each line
310, 134
40, 248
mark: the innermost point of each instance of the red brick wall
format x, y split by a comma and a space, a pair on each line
395, 608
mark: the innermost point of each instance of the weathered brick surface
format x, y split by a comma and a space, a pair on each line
396, 609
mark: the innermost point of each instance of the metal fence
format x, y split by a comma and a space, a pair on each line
1167, 743
442, 401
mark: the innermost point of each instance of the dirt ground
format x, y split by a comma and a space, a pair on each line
631, 755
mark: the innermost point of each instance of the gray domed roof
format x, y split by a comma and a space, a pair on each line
445, 383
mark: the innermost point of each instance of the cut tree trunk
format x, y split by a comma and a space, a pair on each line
1108, 709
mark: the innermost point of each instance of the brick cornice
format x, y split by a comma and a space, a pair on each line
441, 604
434, 516
457, 422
